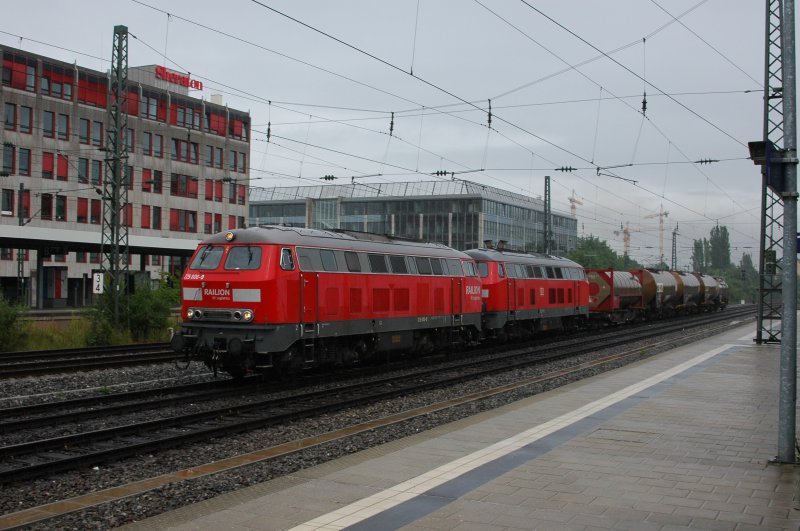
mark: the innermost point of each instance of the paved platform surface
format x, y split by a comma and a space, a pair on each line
681, 440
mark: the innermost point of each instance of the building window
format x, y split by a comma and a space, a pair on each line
157, 181
62, 169
63, 127
127, 177
61, 208
147, 144
24, 161
218, 157
158, 146
10, 116
130, 134
8, 202
241, 165
156, 224
47, 207
209, 156
146, 216
184, 151
92, 90
83, 171
83, 210
57, 81
19, 72
183, 186
6, 253
96, 212
237, 128
25, 119
48, 124
97, 172
8, 159
83, 130
182, 220
48, 165
97, 133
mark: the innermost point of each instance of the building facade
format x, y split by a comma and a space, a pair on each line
461, 214
186, 175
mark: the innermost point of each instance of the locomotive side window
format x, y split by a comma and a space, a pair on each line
501, 270
469, 269
328, 260
436, 265
550, 272
455, 267
483, 269
351, 259
412, 265
423, 265
398, 264
287, 261
558, 272
244, 257
208, 258
305, 257
377, 263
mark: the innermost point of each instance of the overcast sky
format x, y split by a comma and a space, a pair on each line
566, 82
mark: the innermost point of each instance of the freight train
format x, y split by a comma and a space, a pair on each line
284, 299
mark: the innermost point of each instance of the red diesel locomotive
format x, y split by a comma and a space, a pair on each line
290, 298
527, 293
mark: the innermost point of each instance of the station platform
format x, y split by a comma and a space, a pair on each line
681, 440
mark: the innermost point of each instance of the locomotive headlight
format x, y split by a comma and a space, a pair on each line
247, 315
190, 313
198, 314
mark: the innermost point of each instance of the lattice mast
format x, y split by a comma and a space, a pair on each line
768, 320
114, 242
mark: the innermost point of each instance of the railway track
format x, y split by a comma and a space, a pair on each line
48, 455
33, 363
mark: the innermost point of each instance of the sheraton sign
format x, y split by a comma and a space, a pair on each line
178, 79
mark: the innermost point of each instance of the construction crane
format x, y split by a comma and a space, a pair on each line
626, 238
574, 201
661, 214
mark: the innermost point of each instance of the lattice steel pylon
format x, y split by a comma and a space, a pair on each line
768, 325
548, 227
114, 241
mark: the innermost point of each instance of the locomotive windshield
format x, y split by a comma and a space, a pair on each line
247, 257
208, 258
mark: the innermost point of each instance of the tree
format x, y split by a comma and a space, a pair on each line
698, 257
594, 253
720, 258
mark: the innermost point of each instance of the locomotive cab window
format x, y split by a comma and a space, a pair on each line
287, 261
483, 269
208, 258
469, 269
244, 257
550, 272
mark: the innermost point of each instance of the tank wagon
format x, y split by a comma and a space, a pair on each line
621, 296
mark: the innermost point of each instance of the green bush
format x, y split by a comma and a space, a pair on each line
11, 333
